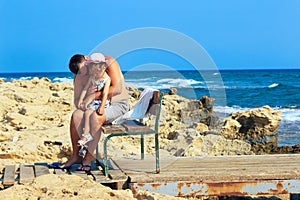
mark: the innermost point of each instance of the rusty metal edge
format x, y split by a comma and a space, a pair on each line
196, 189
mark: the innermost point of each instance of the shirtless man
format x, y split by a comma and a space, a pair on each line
119, 105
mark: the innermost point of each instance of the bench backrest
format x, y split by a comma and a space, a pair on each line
154, 103
155, 107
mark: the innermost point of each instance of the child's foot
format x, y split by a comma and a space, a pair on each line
85, 139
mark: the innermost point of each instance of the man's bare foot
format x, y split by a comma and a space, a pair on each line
73, 160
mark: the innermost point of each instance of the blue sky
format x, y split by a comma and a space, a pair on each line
41, 36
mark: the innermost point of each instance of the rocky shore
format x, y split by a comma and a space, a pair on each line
35, 117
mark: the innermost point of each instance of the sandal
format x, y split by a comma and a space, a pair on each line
85, 139
59, 165
84, 168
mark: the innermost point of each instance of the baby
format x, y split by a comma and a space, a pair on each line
98, 77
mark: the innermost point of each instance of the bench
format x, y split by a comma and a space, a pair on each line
135, 127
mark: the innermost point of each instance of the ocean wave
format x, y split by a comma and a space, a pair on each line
273, 85
226, 110
291, 114
166, 83
24, 78
179, 82
143, 85
63, 80
129, 80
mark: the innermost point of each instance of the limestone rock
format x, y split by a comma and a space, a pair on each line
172, 91
216, 145
202, 127
259, 127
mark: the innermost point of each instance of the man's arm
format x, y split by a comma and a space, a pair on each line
82, 95
77, 90
116, 77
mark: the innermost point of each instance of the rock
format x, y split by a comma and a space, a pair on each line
231, 129
258, 127
207, 103
216, 145
202, 127
55, 86
19, 120
172, 91
287, 149
173, 135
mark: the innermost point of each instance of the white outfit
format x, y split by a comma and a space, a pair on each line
95, 104
140, 108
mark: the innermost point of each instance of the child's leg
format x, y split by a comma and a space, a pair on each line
86, 136
87, 115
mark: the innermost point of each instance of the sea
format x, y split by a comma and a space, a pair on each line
233, 90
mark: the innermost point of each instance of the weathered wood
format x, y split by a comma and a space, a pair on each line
26, 174
117, 174
9, 175
110, 129
135, 126
60, 171
215, 169
40, 169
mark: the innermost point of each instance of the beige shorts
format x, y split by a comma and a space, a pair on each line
115, 110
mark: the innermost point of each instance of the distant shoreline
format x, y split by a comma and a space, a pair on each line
181, 70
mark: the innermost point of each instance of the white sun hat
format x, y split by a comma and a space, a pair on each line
97, 57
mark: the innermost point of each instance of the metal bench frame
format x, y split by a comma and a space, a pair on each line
135, 127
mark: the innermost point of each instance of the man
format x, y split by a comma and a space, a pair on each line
119, 105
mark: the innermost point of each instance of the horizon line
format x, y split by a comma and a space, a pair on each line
247, 69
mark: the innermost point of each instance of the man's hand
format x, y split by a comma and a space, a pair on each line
83, 106
92, 89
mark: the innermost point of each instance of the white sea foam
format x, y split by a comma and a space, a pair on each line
288, 114
25, 78
180, 83
224, 111
63, 80
273, 85
165, 83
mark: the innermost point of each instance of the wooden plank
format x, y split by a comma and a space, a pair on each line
9, 175
100, 178
218, 169
60, 171
116, 174
110, 129
135, 126
26, 174
41, 169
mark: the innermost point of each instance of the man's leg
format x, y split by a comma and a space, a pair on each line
76, 126
96, 121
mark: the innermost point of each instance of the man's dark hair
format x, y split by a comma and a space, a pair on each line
74, 62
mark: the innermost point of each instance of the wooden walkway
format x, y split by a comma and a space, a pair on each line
26, 173
216, 176
193, 176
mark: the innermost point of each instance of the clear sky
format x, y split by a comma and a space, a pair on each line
41, 36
